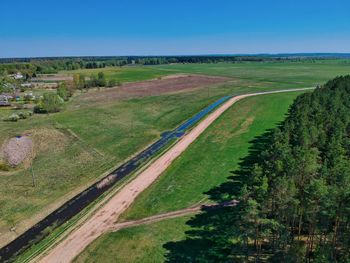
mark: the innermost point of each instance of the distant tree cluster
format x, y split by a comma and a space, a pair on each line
30, 67
52, 102
293, 191
99, 80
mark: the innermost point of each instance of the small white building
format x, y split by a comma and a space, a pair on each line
29, 96
26, 85
18, 75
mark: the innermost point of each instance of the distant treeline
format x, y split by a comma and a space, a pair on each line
32, 66
293, 191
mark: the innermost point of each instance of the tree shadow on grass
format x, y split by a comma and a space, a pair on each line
216, 234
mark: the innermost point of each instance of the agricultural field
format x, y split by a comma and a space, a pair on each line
282, 74
98, 130
77, 146
207, 163
285, 74
122, 74
133, 131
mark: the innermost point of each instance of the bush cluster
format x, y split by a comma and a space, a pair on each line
20, 116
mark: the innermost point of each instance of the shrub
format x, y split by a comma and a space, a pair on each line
13, 117
79, 81
112, 83
93, 82
101, 79
70, 88
62, 91
22, 115
38, 109
4, 166
50, 103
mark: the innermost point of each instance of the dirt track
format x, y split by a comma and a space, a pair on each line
169, 215
104, 219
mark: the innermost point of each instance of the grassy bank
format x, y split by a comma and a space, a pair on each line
209, 160
75, 147
205, 164
138, 244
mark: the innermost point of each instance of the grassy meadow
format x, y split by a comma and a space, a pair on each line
122, 74
205, 164
289, 74
141, 244
285, 74
75, 147
209, 160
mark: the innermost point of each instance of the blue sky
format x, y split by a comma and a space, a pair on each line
172, 27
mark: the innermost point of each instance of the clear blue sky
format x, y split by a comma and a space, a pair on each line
160, 27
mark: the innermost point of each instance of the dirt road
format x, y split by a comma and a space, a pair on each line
174, 214
104, 219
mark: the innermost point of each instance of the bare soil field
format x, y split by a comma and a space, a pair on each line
169, 84
55, 77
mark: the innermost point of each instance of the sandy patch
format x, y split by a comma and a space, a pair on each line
23, 149
17, 149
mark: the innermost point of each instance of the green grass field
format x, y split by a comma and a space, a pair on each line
142, 244
76, 146
273, 74
209, 160
205, 164
123, 74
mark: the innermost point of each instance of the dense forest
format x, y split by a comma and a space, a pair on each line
32, 66
293, 191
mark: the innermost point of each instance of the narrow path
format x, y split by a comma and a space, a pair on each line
104, 219
164, 216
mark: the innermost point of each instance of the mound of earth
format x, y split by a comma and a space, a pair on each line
168, 84
17, 149
48, 140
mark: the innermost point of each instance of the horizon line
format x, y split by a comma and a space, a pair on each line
305, 54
